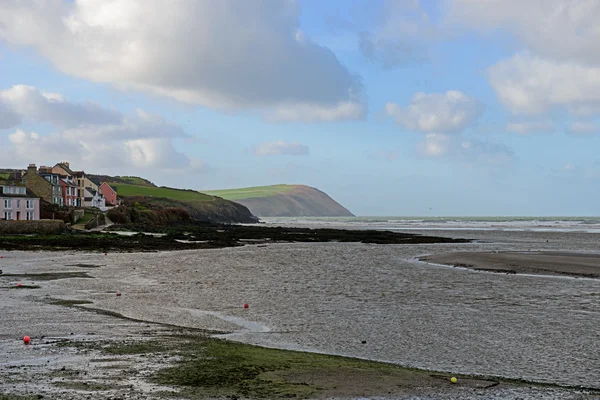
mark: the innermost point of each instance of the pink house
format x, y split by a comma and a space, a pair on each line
16, 204
109, 194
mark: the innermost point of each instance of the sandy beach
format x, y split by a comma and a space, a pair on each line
575, 264
372, 302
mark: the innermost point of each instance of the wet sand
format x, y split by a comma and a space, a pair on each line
576, 264
325, 297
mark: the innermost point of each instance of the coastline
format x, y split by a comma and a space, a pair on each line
147, 290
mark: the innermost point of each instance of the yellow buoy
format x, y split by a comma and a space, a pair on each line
453, 379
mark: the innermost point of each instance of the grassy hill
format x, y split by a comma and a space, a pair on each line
251, 192
199, 205
124, 189
284, 201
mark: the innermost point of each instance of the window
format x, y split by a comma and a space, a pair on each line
30, 215
7, 203
29, 204
8, 215
18, 203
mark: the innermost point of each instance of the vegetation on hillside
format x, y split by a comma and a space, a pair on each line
138, 213
251, 192
127, 190
285, 201
130, 180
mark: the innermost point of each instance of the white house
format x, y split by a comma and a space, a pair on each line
93, 198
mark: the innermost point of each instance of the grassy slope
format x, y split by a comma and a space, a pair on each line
200, 206
145, 190
251, 192
134, 180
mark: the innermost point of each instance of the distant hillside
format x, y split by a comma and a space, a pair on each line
284, 201
199, 205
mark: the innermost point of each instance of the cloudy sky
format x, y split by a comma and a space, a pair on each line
406, 107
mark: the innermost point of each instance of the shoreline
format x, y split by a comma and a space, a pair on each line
205, 236
89, 347
549, 263
173, 351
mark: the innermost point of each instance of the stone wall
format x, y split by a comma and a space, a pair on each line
77, 215
98, 220
43, 226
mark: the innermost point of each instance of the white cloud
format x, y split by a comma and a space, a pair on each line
8, 117
527, 84
468, 151
27, 102
448, 112
222, 54
398, 37
525, 127
435, 145
558, 66
582, 128
94, 156
87, 134
474, 151
281, 148
553, 29
311, 113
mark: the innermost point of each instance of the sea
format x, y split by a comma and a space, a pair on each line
506, 224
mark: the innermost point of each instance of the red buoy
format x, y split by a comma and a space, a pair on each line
19, 284
26, 339
246, 305
118, 294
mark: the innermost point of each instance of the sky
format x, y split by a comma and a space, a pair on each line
406, 107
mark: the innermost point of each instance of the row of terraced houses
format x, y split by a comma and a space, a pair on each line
22, 191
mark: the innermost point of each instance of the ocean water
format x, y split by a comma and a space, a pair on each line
507, 224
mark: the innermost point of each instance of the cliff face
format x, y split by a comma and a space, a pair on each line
298, 201
219, 210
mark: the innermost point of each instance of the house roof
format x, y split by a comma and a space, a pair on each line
45, 174
112, 188
67, 183
92, 191
28, 195
64, 166
79, 174
95, 180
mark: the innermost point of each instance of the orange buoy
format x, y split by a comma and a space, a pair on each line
26, 339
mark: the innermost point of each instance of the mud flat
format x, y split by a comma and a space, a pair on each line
364, 301
576, 264
93, 353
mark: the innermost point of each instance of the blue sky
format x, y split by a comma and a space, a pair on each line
449, 107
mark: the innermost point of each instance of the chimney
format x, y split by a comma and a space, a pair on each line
32, 168
66, 163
